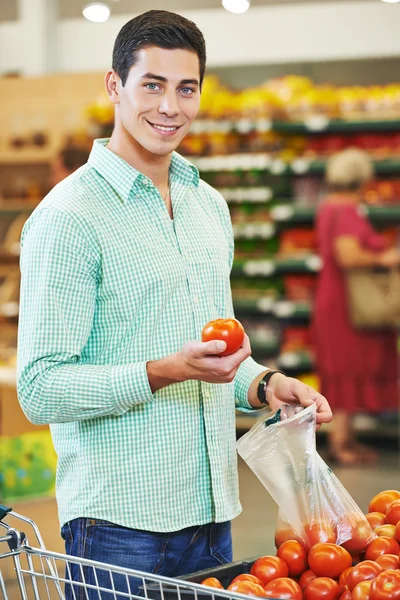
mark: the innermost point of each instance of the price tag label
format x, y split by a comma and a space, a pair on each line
244, 126
282, 213
300, 166
263, 125
289, 360
284, 308
9, 309
314, 262
317, 123
277, 167
259, 267
265, 304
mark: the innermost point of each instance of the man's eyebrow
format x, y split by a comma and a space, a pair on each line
152, 76
186, 81
164, 79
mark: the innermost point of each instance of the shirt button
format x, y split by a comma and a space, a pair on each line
207, 394
196, 300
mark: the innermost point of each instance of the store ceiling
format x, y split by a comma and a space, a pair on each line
69, 9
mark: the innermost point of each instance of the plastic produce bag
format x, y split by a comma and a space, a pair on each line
313, 504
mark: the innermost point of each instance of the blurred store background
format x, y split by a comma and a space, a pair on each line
288, 84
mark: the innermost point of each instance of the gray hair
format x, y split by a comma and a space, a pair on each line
349, 169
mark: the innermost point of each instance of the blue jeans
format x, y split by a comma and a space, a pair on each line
169, 554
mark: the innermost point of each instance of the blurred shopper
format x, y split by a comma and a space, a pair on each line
67, 160
358, 369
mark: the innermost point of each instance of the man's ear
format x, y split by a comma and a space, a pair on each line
112, 82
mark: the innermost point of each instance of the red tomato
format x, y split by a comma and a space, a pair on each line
248, 588
397, 532
268, 568
366, 570
386, 586
295, 556
329, 560
212, 582
393, 513
247, 577
388, 561
361, 591
321, 588
361, 535
284, 535
343, 576
346, 595
283, 588
227, 330
375, 519
319, 533
380, 502
306, 578
382, 545
386, 530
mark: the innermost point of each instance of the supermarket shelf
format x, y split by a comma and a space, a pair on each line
277, 266
26, 157
254, 306
378, 427
295, 362
280, 309
7, 258
248, 195
321, 124
17, 208
314, 124
317, 167
254, 231
265, 348
276, 166
289, 214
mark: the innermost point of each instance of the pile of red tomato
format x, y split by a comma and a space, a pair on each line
328, 571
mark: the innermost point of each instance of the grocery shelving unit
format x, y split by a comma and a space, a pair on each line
262, 186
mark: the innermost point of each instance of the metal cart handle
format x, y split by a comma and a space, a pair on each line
4, 511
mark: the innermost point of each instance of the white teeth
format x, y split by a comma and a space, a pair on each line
165, 128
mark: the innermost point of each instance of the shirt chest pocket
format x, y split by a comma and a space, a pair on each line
211, 269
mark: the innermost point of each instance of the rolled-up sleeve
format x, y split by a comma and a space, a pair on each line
59, 286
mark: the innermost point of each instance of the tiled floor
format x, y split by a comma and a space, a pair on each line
253, 530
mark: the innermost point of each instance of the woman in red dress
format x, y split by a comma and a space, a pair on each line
358, 369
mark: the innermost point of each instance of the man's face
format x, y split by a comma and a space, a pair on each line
160, 99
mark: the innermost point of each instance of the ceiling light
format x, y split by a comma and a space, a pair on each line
391, 1
236, 6
98, 12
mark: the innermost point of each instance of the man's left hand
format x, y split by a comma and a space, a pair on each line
287, 390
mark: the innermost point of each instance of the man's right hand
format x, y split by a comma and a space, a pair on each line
201, 361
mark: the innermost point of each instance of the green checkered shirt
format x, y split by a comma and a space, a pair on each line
109, 282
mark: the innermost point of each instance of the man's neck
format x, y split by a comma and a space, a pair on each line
154, 167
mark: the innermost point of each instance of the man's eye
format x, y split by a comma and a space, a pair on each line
152, 86
187, 91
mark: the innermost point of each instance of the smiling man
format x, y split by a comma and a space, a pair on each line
122, 265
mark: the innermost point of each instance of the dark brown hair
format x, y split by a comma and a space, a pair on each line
159, 28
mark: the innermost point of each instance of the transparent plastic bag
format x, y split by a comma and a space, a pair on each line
313, 504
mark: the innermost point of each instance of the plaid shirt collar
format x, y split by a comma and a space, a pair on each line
122, 176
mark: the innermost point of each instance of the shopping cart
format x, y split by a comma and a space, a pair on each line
43, 574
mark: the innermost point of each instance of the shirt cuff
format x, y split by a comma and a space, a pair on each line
244, 377
130, 386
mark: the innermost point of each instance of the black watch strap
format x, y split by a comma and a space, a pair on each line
262, 386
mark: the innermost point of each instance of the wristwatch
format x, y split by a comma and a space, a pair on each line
263, 384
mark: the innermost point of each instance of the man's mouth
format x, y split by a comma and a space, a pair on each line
165, 128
